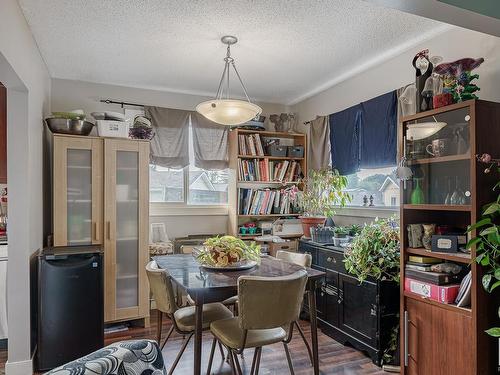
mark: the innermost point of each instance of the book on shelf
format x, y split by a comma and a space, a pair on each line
264, 201
439, 293
268, 170
250, 144
418, 266
437, 278
423, 260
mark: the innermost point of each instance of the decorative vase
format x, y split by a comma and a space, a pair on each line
309, 222
429, 230
417, 195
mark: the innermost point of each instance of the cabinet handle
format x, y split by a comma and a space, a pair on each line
406, 324
331, 260
108, 227
96, 231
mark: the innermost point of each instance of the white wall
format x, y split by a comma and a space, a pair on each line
398, 71
68, 95
25, 75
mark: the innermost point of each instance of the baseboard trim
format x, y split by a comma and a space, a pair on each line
19, 368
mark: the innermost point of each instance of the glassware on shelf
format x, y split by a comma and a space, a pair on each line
417, 195
449, 193
458, 197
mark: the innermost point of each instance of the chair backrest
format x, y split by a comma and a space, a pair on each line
161, 287
304, 260
270, 302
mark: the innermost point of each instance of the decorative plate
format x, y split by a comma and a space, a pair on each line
234, 267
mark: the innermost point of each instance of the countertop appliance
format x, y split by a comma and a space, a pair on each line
70, 307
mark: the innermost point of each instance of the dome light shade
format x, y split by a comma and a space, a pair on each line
222, 109
229, 112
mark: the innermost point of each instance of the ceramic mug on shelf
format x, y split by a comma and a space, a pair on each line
438, 147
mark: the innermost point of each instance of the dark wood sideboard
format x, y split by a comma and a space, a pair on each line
361, 315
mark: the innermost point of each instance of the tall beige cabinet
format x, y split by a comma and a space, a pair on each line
101, 197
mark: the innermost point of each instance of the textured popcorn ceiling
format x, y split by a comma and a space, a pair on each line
288, 49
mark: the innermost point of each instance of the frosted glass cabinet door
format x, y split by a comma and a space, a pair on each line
77, 193
126, 218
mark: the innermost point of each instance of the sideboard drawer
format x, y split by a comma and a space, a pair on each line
331, 260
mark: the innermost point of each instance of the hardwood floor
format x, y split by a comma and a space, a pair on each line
335, 359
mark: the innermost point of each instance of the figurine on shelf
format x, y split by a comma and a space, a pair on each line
429, 230
279, 121
423, 69
457, 78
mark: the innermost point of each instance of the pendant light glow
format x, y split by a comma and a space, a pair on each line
223, 110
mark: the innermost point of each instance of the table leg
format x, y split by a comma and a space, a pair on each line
198, 335
314, 324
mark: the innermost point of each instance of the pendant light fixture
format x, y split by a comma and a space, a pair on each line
222, 109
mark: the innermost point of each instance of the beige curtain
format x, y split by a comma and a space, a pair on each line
170, 145
209, 143
319, 143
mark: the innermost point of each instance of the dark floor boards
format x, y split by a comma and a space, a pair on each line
335, 359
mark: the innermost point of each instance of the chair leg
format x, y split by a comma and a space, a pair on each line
254, 360
159, 321
237, 361
257, 365
288, 358
301, 332
166, 338
231, 361
211, 359
221, 351
181, 352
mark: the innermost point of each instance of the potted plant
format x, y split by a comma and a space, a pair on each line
340, 235
487, 241
354, 230
323, 192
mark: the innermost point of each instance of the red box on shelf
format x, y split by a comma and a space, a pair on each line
443, 293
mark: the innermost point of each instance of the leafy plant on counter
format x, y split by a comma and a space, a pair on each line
375, 252
323, 192
354, 230
227, 250
487, 241
340, 232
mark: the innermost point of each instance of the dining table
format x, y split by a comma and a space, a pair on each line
206, 285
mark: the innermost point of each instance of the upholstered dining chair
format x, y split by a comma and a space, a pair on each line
304, 260
183, 318
266, 305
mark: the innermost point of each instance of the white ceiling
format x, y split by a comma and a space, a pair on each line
288, 49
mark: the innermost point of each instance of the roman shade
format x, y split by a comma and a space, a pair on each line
209, 143
379, 131
344, 139
170, 145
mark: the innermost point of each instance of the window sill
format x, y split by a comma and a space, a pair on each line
172, 209
382, 212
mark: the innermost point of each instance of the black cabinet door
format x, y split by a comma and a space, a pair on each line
320, 296
357, 314
331, 291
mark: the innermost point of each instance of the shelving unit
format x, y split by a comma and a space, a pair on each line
236, 219
444, 338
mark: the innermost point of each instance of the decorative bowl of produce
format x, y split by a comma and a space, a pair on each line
228, 253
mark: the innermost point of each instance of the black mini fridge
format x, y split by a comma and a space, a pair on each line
70, 307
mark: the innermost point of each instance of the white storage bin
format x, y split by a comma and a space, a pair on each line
109, 128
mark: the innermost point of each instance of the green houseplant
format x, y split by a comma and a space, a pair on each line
375, 252
487, 240
323, 192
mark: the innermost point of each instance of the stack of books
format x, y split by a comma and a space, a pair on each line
264, 202
265, 170
250, 145
421, 280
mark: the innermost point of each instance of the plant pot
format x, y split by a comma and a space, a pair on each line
309, 222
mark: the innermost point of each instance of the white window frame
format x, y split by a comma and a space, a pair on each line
185, 209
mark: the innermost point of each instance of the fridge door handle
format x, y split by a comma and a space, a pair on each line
96, 231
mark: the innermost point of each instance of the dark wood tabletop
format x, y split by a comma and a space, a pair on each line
188, 273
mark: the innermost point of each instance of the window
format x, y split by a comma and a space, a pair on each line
190, 185
380, 183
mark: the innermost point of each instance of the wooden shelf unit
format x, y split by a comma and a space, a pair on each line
235, 218
443, 338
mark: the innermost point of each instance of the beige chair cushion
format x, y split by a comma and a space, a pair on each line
185, 317
228, 332
304, 260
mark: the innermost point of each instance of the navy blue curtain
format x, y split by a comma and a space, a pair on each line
379, 131
344, 139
